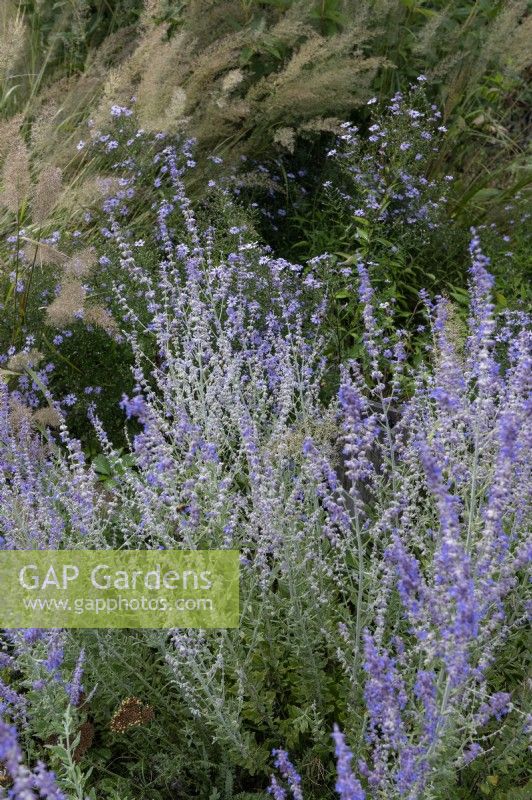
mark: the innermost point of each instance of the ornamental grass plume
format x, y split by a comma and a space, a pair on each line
43, 254
24, 359
12, 37
102, 318
80, 264
16, 179
68, 305
47, 417
46, 193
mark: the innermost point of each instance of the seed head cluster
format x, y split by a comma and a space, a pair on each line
132, 713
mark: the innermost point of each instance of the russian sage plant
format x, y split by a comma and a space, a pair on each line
399, 559
450, 541
382, 535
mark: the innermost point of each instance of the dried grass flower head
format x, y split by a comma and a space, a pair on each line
9, 130
16, 180
12, 37
231, 80
47, 417
19, 415
24, 359
40, 253
46, 193
100, 316
67, 305
80, 264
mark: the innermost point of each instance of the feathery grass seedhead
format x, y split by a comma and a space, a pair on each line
46, 193
16, 180
68, 305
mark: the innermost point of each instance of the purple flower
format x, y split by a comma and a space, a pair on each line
473, 751
134, 407
496, 707
23, 780
347, 786
277, 791
75, 688
289, 773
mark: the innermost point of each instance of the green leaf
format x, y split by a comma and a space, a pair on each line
102, 465
7, 372
246, 54
485, 194
501, 300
